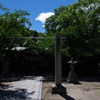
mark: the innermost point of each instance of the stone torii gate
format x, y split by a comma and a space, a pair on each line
57, 87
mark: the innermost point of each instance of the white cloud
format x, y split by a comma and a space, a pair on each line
43, 25
43, 16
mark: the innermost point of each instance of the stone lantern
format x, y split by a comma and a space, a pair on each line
72, 78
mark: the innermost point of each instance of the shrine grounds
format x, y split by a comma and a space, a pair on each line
87, 89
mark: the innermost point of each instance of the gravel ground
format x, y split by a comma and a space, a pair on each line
83, 91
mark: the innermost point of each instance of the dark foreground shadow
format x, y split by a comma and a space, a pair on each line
66, 97
77, 83
20, 94
93, 79
19, 78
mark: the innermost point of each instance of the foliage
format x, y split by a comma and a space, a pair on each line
45, 46
12, 25
80, 23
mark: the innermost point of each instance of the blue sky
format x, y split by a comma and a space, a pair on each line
39, 9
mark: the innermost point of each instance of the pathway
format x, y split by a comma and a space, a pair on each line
23, 89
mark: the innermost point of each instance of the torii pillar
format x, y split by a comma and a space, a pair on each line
58, 88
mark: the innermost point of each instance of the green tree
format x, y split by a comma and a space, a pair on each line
78, 22
51, 24
12, 25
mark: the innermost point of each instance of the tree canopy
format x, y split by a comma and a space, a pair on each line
80, 23
13, 24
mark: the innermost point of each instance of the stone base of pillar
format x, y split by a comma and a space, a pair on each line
60, 89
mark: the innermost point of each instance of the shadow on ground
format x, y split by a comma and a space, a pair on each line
4, 86
66, 97
86, 79
17, 78
14, 94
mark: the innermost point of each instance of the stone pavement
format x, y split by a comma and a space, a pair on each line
24, 89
